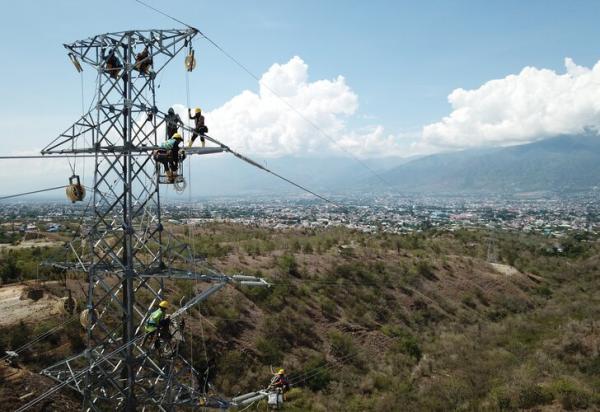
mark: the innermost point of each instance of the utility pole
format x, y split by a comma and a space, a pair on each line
123, 249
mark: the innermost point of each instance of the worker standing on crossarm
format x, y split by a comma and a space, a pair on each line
199, 126
172, 122
155, 321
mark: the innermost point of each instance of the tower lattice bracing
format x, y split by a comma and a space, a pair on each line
123, 248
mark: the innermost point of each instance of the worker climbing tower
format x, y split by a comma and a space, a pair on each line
122, 248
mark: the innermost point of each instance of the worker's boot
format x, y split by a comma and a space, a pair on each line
203, 143
190, 143
170, 176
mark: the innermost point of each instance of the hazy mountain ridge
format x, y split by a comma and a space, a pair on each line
566, 163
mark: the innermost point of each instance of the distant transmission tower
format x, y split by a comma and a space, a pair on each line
123, 248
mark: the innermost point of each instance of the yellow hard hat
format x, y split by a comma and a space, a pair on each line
280, 371
177, 136
164, 304
198, 110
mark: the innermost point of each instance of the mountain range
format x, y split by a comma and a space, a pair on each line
560, 164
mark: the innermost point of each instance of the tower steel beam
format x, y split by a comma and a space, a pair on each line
122, 247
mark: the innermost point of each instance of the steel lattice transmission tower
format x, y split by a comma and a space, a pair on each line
123, 248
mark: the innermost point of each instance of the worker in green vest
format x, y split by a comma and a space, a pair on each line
155, 321
168, 155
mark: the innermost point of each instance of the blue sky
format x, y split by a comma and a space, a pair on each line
400, 59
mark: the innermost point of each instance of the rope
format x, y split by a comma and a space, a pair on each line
193, 247
190, 238
171, 370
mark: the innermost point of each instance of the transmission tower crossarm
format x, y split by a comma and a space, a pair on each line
198, 298
248, 398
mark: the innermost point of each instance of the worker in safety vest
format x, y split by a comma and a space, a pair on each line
172, 122
280, 381
157, 319
168, 155
199, 126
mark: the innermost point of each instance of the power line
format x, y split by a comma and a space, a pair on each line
165, 14
16, 157
289, 105
42, 336
74, 377
258, 165
33, 192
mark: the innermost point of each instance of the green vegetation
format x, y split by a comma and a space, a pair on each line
381, 322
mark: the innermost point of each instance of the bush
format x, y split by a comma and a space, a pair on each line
425, 269
342, 345
571, 395
20, 335
288, 265
534, 395
406, 343
592, 367
73, 332
9, 270
316, 373
270, 352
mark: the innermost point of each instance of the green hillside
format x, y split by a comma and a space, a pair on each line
387, 322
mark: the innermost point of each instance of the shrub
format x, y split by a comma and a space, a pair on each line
270, 352
571, 395
425, 269
316, 373
73, 332
288, 265
342, 345
592, 367
534, 395
406, 343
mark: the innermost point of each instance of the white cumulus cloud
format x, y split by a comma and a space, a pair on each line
520, 108
269, 124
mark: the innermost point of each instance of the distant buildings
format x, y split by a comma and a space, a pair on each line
391, 213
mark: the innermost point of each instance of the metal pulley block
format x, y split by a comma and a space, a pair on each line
75, 191
190, 61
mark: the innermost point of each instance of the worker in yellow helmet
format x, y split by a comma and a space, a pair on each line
199, 126
168, 155
157, 320
280, 381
